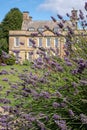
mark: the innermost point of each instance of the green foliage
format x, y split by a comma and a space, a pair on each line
3, 45
12, 21
79, 47
9, 61
27, 63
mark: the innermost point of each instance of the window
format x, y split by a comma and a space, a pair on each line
56, 42
16, 42
31, 29
48, 42
29, 56
56, 29
29, 43
40, 29
40, 42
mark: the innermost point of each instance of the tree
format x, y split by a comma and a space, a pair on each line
12, 21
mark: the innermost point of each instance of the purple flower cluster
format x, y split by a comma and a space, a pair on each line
52, 93
85, 6
61, 124
4, 72
83, 118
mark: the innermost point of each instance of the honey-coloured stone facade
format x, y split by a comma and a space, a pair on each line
19, 41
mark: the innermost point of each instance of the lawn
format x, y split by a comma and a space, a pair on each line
9, 80
43, 98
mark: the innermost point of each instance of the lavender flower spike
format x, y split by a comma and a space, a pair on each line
59, 16
54, 20
85, 6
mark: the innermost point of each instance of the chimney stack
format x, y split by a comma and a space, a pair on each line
30, 18
74, 17
25, 15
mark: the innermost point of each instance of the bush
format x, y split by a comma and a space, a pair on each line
27, 63
10, 60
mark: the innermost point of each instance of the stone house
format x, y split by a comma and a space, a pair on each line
20, 40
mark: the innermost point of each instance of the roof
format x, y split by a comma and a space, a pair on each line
40, 24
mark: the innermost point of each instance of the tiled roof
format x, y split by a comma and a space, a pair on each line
37, 24
40, 24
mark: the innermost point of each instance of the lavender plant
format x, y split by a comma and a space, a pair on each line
53, 95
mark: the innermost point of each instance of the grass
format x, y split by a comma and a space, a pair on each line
12, 76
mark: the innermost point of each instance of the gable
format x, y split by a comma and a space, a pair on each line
48, 33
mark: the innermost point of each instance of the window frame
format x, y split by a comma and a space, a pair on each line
31, 29
56, 42
16, 43
39, 42
47, 42
40, 29
29, 43
55, 29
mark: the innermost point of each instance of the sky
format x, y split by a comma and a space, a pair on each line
41, 9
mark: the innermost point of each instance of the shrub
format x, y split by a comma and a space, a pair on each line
27, 63
9, 59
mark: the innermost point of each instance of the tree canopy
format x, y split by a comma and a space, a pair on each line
12, 21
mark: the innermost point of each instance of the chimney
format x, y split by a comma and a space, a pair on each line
25, 15
30, 18
74, 15
74, 18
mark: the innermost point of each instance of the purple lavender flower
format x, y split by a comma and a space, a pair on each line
5, 79
81, 15
59, 68
41, 125
21, 43
8, 92
84, 82
70, 30
58, 94
56, 105
67, 15
53, 19
5, 100
83, 118
3, 64
74, 84
63, 104
6, 108
85, 6
34, 34
60, 25
69, 63
45, 94
59, 16
75, 71
61, 124
67, 52
32, 41
71, 113
3, 72
14, 86
16, 51
66, 58
47, 27
56, 117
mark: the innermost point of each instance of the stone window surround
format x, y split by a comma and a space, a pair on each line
16, 43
